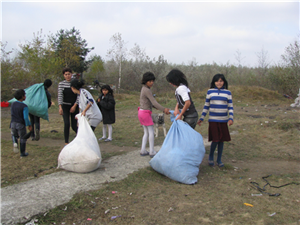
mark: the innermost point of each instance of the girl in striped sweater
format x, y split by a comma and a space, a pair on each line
219, 105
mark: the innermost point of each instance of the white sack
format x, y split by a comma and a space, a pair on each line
83, 154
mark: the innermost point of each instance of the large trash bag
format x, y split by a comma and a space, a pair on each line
36, 100
181, 153
83, 154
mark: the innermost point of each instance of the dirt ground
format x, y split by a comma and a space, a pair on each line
41, 197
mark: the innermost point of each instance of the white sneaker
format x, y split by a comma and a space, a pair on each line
100, 139
15, 148
108, 140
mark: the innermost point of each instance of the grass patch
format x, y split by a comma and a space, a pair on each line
147, 197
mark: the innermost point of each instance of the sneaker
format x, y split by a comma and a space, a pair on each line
100, 139
15, 148
37, 135
108, 140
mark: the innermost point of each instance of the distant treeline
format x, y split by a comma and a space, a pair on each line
41, 59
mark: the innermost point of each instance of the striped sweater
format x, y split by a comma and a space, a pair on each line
219, 104
65, 94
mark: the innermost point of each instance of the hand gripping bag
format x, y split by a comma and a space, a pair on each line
36, 100
83, 154
181, 153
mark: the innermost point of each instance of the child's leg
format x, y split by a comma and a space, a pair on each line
32, 121
109, 131
66, 117
144, 140
212, 150
14, 136
151, 139
37, 127
104, 131
22, 132
74, 121
220, 151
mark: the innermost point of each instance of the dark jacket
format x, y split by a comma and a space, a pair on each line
107, 108
48, 97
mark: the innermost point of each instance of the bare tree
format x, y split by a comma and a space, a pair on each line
239, 58
139, 54
263, 61
118, 53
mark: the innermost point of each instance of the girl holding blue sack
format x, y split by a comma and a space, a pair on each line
185, 106
220, 107
147, 101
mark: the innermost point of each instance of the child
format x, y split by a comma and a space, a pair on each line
219, 103
19, 121
87, 104
144, 113
67, 103
183, 97
106, 103
35, 120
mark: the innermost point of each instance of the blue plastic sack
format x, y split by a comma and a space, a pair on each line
36, 100
181, 153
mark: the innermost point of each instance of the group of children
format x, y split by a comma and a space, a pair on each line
218, 103
72, 98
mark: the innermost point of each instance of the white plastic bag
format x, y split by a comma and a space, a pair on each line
83, 154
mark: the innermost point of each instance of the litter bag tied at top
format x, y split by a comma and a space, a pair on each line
181, 154
83, 154
36, 100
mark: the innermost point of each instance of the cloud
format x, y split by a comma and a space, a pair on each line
207, 31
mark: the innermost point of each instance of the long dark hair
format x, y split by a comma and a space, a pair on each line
216, 78
177, 77
107, 87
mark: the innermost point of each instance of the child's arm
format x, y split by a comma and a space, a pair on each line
205, 109
60, 98
89, 104
230, 109
86, 108
176, 110
27, 121
73, 108
187, 104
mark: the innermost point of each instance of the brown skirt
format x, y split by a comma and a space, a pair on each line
218, 132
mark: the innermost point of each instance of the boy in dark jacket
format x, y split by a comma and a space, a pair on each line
19, 121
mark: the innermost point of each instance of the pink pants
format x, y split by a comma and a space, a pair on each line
145, 117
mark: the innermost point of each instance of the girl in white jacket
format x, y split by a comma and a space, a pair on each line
87, 105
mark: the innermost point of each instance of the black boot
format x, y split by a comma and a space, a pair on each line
22, 150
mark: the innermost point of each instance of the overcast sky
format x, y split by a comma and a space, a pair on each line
204, 32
